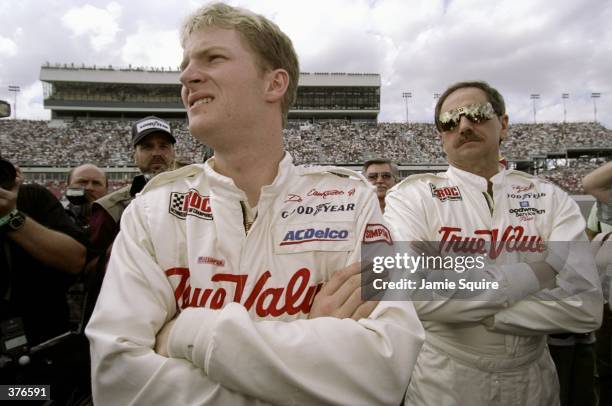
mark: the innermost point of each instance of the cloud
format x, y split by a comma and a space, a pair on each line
520, 46
8, 47
99, 24
30, 103
162, 48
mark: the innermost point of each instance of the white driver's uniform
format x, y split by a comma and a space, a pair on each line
242, 300
493, 351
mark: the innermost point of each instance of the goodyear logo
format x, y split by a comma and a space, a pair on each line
313, 234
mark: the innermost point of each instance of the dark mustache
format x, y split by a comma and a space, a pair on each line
468, 136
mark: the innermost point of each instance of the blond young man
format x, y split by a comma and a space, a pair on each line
208, 298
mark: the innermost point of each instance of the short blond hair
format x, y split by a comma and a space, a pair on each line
272, 47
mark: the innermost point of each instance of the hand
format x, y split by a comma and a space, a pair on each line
340, 297
162, 339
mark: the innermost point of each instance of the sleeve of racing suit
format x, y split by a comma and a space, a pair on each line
576, 303
130, 310
319, 361
408, 218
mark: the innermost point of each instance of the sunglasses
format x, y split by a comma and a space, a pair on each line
375, 175
476, 113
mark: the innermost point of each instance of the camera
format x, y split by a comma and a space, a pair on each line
8, 174
76, 195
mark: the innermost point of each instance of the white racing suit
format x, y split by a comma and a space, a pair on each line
492, 351
242, 334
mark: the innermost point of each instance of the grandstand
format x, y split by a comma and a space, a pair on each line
334, 121
93, 92
563, 153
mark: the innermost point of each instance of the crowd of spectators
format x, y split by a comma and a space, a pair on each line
107, 144
569, 177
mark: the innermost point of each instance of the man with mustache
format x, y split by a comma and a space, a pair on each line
383, 174
153, 143
490, 347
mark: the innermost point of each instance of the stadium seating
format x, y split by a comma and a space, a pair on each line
107, 144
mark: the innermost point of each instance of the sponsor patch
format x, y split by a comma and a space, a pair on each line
377, 233
255, 291
445, 193
190, 204
493, 242
152, 123
211, 261
293, 198
526, 211
521, 189
530, 195
319, 208
307, 235
329, 193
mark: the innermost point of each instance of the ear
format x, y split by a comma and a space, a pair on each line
504, 127
277, 82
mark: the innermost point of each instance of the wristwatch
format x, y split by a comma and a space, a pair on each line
12, 221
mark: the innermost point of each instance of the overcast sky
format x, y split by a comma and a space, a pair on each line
521, 47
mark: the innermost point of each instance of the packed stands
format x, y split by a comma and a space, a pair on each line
107, 144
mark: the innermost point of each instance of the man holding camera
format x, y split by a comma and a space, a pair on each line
42, 249
86, 184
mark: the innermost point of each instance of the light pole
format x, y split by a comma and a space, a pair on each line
14, 89
564, 96
406, 96
595, 96
534, 97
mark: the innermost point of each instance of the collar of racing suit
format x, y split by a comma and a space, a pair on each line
476, 181
227, 187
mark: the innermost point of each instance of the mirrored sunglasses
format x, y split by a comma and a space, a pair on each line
476, 113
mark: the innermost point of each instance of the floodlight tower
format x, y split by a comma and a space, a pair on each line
534, 97
14, 89
595, 96
564, 96
406, 96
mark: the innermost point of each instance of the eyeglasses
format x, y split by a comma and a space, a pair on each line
476, 113
372, 176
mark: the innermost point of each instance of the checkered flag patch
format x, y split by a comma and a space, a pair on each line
177, 204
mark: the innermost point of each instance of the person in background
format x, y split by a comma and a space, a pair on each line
599, 184
383, 174
153, 143
42, 251
86, 184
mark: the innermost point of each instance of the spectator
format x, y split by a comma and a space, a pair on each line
153, 142
86, 184
599, 184
383, 174
42, 252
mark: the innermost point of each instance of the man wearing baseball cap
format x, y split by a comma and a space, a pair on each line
153, 143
